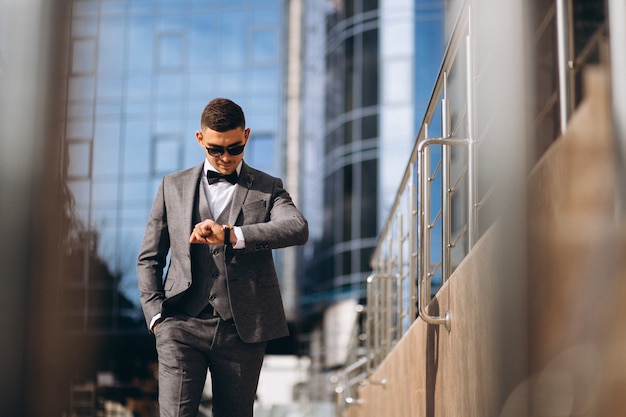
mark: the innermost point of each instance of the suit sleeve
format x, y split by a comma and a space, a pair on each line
152, 258
284, 225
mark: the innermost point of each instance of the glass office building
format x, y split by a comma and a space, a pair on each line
139, 73
349, 168
381, 57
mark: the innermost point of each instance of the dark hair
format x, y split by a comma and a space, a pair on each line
221, 115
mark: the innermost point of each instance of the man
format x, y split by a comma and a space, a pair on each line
220, 302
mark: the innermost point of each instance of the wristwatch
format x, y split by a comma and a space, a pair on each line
227, 230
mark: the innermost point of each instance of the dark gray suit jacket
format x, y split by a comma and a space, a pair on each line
268, 219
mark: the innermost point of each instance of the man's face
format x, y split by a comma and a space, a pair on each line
214, 143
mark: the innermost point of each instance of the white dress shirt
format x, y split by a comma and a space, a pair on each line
218, 196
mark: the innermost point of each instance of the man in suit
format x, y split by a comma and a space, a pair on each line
220, 302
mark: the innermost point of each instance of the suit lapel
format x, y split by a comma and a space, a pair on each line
203, 204
190, 186
246, 178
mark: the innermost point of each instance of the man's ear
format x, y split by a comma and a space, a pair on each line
199, 138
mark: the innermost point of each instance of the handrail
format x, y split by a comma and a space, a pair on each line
423, 282
348, 382
398, 290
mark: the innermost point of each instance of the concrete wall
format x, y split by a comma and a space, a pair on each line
433, 372
540, 333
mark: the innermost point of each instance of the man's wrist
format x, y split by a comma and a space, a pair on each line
228, 235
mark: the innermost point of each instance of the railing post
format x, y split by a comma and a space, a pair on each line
399, 286
425, 229
472, 220
412, 246
387, 299
564, 60
617, 30
446, 204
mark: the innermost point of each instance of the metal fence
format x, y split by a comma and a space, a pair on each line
434, 220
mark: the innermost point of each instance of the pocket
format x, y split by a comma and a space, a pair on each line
254, 212
255, 206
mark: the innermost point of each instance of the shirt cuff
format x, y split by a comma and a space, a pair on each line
154, 320
241, 242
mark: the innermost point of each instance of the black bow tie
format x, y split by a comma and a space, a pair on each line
214, 177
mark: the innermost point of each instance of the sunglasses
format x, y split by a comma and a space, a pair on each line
216, 151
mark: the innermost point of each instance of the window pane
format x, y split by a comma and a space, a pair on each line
169, 85
347, 203
369, 187
202, 40
79, 154
264, 46
140, 44
264, 80
106, 148
170, 51
231, 83
111, 44
80, 190
166, 155
266, 16
79, 129
137, 148
369, 127
104, 200
83, 56
84, 26
233, 36
261, 153
370, 68
110, 87
82, 88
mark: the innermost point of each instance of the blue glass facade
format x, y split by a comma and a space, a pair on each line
139, 74
429, 48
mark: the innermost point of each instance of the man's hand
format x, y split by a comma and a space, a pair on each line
207, 232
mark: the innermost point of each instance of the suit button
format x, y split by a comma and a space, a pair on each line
216, 251
212, 297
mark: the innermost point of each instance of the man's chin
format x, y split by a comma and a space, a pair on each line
226, 171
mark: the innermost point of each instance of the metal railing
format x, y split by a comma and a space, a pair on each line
433, 222
425, 225
567, 93
403, 264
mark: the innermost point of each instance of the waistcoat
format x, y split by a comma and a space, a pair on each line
208, 268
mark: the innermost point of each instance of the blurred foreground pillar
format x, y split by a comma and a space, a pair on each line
576, 268
31, 353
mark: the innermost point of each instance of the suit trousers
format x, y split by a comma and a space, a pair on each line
189, 346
